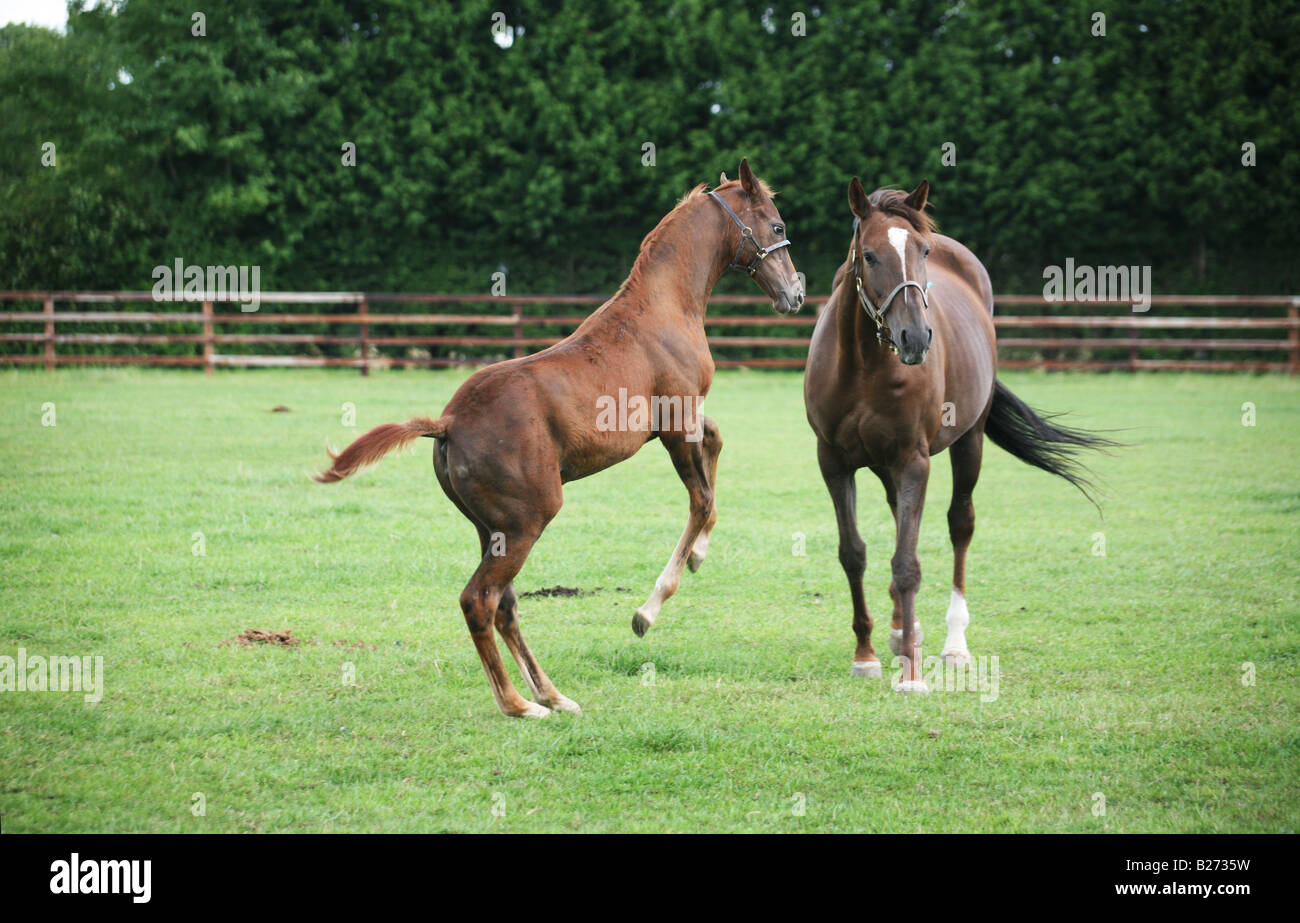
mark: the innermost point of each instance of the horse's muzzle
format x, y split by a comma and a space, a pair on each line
788, 302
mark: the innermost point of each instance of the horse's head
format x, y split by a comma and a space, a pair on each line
761, 244
890, 244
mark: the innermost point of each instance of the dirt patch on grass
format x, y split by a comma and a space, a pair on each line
252, 636
567, 591
350, 645
553, 591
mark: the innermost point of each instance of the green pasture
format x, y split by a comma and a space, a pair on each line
1148, 660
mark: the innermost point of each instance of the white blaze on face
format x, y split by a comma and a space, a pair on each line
898, 237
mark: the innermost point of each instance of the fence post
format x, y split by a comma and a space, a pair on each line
1293, 315
519, 330
50, 334
364, 309
207, 338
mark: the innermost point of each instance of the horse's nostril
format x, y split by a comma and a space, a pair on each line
904, 337
929, 335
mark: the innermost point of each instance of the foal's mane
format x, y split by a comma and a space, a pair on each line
693, 195
894, 202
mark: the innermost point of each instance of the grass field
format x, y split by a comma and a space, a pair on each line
1124, 676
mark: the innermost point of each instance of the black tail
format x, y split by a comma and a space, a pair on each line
1031, 437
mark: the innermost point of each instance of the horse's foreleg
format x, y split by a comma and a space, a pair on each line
842, 486
709, 446
966, 454
689, 464
896, 623
911, 480
544, 691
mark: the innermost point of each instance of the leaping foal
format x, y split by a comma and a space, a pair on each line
516, 431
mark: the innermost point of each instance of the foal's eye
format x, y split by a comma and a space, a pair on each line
925, 253
778, 230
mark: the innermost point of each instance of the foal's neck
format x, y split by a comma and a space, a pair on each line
683, 258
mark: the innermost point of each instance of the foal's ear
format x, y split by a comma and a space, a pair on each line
722, 178
919, 196
858, 201
747, 179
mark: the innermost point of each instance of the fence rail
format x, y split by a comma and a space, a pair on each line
1268, 339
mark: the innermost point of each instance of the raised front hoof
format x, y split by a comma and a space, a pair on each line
641, 623
565, 704
957, 658
870, 669
914, 686
694, 561
530, 710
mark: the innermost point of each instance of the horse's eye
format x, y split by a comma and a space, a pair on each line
926, 253
870, 258
778, 230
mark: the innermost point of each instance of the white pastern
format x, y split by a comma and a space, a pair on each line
954, 648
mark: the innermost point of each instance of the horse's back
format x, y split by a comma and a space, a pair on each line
957, 258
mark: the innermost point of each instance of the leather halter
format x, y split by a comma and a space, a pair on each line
877, 314
746, 234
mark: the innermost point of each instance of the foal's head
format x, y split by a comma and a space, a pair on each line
765, 253
890, 246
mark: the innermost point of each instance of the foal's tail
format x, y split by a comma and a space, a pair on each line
377, 443
1032, 438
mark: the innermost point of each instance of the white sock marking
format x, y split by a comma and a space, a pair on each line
958, 618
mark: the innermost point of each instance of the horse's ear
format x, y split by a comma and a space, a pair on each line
722, 178
747, 179
919, 196
858, 201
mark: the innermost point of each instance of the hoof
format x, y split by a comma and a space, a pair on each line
565, 704
871, 669
694, 561
533, 710
641, 623
957, 658
896, 638
912, 685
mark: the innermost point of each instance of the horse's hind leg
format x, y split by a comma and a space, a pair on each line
710, 445
480, 601
966, 454
842, 486
544, 691
690, 468
507, 527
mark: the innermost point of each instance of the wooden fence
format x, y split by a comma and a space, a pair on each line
1263, 333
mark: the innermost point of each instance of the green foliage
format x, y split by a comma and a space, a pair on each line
226, 148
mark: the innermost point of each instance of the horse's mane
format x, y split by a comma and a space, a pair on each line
894, 202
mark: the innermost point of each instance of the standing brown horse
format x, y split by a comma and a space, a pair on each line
903, 365
516, 431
